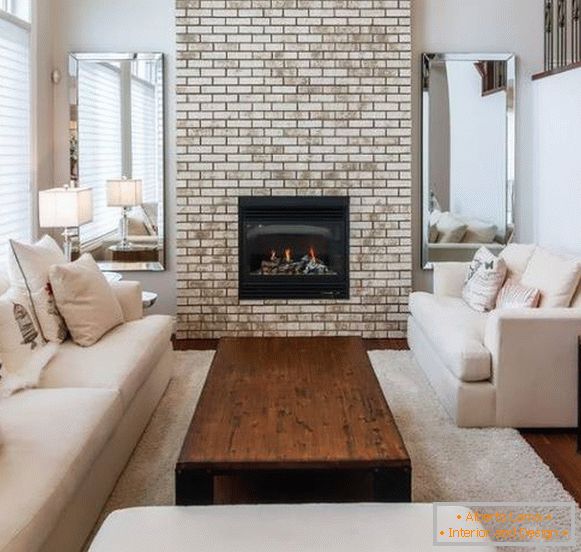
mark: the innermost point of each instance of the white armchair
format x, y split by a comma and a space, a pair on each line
507, 368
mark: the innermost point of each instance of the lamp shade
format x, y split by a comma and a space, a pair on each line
124, 192
65, 207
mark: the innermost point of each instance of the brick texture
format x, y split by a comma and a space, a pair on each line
293, 97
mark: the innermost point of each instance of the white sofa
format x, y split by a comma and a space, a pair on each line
63, 445
282, 528
508, 368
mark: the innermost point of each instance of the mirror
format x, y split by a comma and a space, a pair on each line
468, 141
117, 150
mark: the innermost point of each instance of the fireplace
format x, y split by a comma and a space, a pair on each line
294, 248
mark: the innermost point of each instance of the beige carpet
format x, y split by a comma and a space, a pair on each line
449, 463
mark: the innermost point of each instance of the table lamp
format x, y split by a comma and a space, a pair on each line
125, 193
67, 207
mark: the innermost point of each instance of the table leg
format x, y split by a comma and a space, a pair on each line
194, 487
392, 485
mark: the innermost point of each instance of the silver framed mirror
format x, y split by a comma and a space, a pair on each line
468, 154
117, 149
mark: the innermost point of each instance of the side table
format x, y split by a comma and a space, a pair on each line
149, 299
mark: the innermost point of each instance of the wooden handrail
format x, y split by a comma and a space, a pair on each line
557, 70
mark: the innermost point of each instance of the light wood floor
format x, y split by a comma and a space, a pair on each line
557, 448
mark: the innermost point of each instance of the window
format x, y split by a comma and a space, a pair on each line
15, 121
100, 141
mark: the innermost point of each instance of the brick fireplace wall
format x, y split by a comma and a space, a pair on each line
293, 97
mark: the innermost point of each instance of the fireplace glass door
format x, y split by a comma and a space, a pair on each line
294, 248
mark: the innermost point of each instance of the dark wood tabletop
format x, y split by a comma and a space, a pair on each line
292, 403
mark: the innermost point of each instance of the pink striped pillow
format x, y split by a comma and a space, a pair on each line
516, 296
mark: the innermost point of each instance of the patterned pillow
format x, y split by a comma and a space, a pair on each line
28, 267
516, 296
23, 350
485, 278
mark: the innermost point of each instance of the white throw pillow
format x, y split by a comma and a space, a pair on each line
85, 299
516, 296
451, 229
556, 276
28, 268
22, 348
517, 257
486, 276
479, 231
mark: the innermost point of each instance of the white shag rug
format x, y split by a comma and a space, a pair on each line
448, 463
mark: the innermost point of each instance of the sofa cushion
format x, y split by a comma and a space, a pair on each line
24, 352
456, 332
485, 277
576, 304
517, 257
50, 440
28, 268
556, 276
122, 360
85, 299
451, 229
479, 231
280, 528
516, 296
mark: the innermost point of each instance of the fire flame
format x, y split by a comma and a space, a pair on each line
288, 255
312, 254
273, 255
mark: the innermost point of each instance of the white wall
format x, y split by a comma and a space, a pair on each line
120, 26
482, 26
557, 161
43, 96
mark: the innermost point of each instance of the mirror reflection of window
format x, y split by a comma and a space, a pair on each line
146, 138
117, 132
100, 141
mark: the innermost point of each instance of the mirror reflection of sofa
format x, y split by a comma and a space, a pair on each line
453, 237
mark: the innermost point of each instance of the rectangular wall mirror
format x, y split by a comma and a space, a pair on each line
468, 154
117, 150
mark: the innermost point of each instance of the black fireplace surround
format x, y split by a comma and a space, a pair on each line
294, 247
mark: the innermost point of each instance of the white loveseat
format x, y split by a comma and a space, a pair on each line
507, 368
63, 445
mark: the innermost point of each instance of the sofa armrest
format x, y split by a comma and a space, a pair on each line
128, 294
449, 278
534, 366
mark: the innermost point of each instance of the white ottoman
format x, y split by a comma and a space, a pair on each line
276, 528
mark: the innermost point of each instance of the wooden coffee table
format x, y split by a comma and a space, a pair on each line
293, 410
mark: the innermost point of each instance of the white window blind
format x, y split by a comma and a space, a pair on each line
144, 137
17, 8
15, 138
100, 142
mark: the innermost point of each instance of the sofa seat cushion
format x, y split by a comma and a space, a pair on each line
50, 440
456, 332
122, 360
